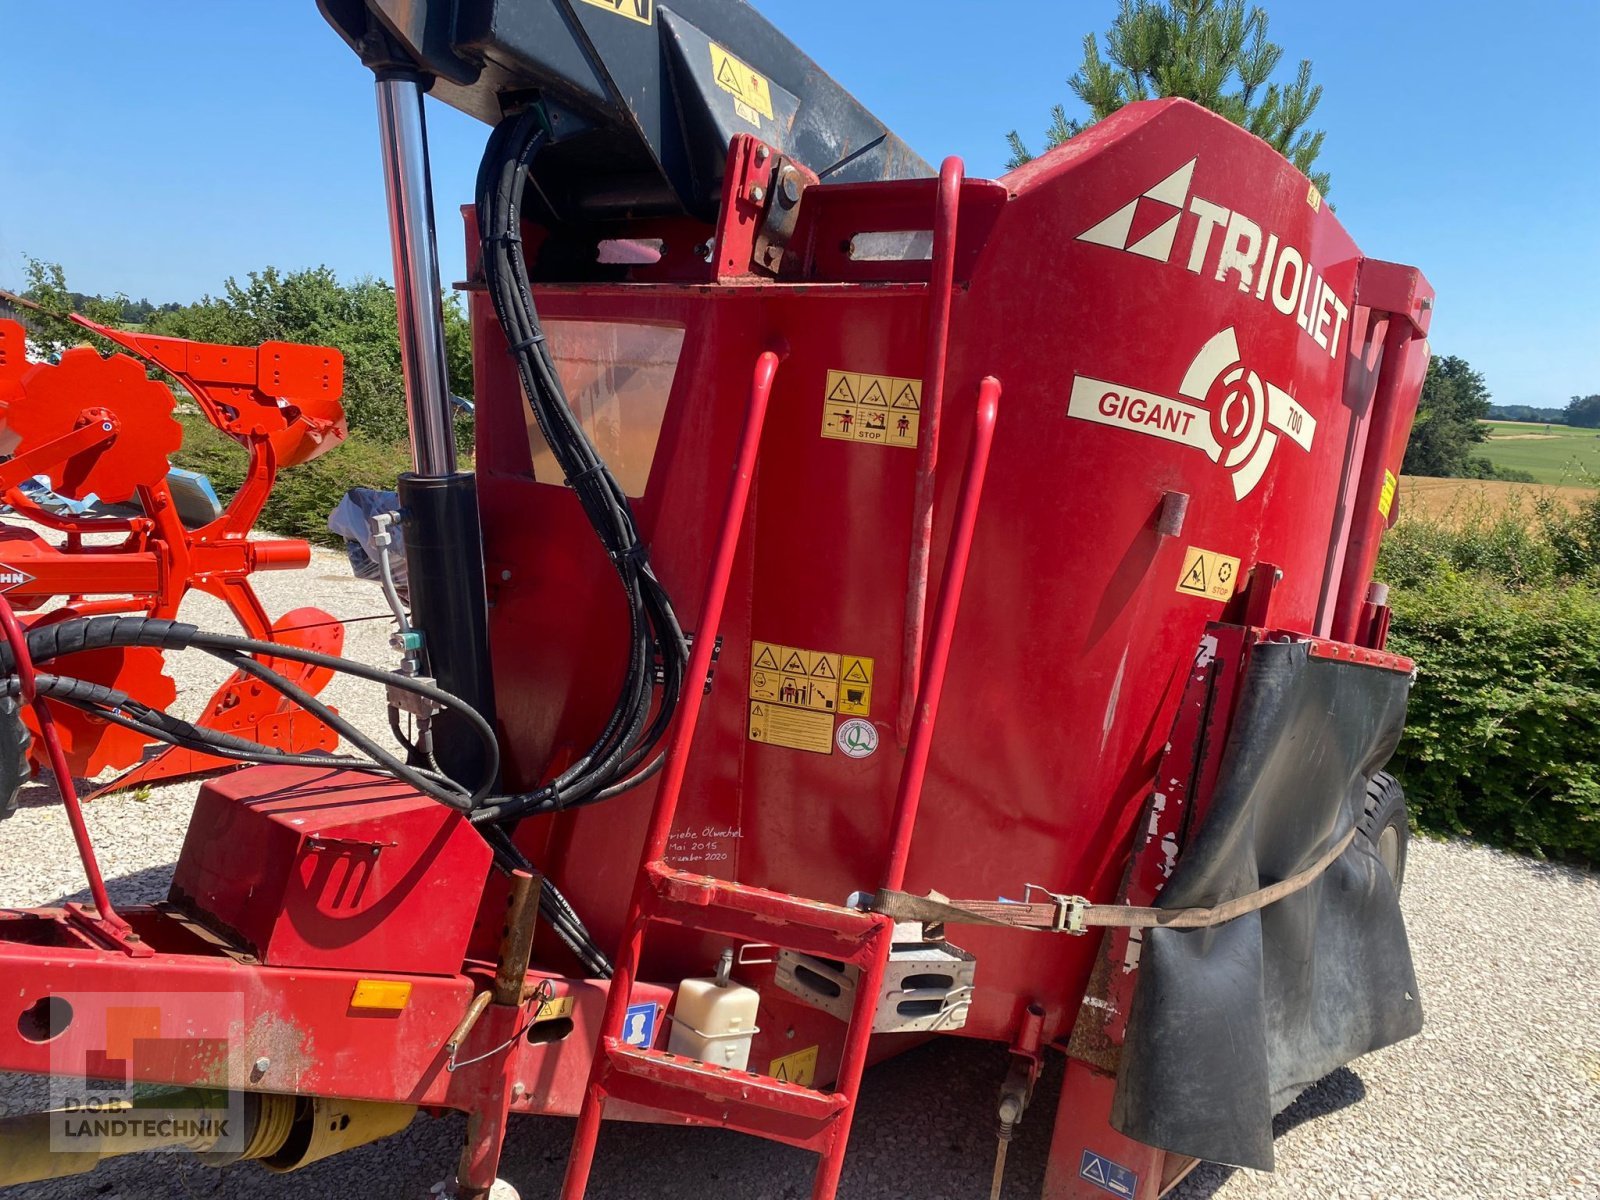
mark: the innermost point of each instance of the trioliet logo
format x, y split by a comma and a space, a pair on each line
1266, 268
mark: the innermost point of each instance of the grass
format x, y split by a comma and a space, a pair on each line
1461, 501
1557, 454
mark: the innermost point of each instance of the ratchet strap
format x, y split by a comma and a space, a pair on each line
1074, 914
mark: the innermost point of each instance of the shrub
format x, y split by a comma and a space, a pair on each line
1501, 611
304, 495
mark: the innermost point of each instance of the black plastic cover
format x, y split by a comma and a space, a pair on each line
1230, 1024
643, 97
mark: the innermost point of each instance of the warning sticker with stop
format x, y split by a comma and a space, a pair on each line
1209, 574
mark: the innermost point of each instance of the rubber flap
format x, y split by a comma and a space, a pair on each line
1230, 1024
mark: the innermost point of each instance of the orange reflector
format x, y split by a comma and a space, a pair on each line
387, 994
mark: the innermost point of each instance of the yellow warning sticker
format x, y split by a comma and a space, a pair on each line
798, 678
796, 728
642, 11
795, 692
560, 1006
855, 685
1313, 196
750, 91
1207, 573
1386, 497
799, 1067
885, 410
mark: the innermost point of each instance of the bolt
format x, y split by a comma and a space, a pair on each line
505, 575
261, 1064
758, 193
106, 426
789, 188
762, 154
518, 1090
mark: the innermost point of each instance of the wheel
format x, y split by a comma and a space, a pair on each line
1385, 825
14, 743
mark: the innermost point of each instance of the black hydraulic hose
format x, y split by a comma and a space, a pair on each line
629, 736
73, 636
226, 644
390, 764
117, 708
553, 906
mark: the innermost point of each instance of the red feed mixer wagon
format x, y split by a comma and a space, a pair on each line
886, 604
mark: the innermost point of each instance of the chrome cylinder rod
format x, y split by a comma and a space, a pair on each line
404, 133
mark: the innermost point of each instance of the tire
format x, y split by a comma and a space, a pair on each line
14, 742
1385, 825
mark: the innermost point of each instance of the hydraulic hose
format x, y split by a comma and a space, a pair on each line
611, 764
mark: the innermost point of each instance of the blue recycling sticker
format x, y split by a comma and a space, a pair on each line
639, 1026
1107, 1175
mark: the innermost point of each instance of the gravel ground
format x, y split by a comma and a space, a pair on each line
1498, 1098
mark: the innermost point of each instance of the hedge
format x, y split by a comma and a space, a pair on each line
303, 495
1501, 611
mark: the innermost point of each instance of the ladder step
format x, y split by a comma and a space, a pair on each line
710, 1095
760, 915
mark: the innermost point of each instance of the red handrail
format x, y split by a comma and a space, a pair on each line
48, 733
931, 686
672, 773
941, 286
913, 773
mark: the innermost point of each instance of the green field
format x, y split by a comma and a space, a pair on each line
1550, 453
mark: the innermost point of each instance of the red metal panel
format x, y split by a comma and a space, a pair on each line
313, 867
1074, 636
300, 1019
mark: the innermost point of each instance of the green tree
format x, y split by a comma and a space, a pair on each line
47, 287
1584, 412
309, 306
1214, 52
312, 305
1455, 400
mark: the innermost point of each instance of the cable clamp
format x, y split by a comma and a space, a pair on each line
635, 555
519, 347
505, 239
582, 477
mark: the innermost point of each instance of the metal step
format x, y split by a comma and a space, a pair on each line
710, 1095
759, 915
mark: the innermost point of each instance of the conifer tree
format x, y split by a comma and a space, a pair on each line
1214, 52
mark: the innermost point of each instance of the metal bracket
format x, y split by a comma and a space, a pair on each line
411, 702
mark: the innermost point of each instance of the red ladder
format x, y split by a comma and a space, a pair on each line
742, 1100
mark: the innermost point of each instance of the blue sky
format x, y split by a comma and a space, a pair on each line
159, 155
